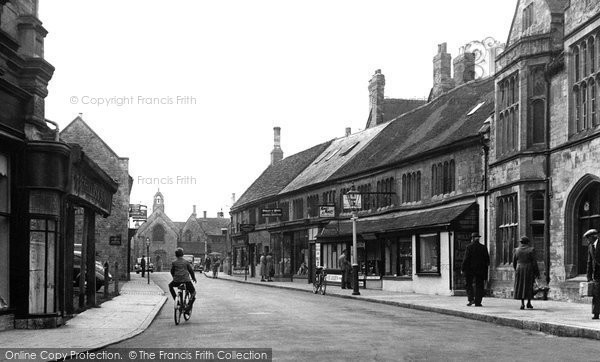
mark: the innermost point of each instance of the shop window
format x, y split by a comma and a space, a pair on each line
4, 232
428, 254
330, 255
398, 257
158, 233
506, 233
44, 208
374, 262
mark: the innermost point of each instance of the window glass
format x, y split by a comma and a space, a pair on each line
405, 257
429, 249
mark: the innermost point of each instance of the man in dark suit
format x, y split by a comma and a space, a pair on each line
593, 268
143, 265
475, 269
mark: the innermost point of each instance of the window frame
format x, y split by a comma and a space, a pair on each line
419, 262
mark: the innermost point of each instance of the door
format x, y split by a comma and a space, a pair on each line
589, 218
461, 240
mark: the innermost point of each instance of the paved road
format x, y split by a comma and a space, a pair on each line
300, 326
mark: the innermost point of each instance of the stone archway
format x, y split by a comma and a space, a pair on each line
582, 212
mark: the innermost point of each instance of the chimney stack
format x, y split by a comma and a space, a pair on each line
348, 131
232, 198
442, 78
464, 67
204, 214
194, 213
277, 153
376, 88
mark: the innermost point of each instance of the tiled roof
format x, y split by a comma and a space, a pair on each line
557, 6
213, 225
279, 175
441, 122
335, 156
393, 107
179, 225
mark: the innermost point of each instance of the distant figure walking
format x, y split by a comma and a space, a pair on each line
207, 268
143, 265
263, 268
475, 269
270, 268
215, 268
593, 269
526, 271
345, 266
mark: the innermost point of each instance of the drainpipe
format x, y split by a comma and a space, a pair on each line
548, 180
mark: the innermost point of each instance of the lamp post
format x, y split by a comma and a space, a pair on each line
354, 203
148, 256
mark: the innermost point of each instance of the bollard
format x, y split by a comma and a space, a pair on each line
116, 278
105, 280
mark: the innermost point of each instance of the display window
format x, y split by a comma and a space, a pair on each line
428, 254
398, 257
330, 254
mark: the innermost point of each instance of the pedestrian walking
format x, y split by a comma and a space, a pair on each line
345, 266
475, 269
263, 268
526, 271
143, 265
270, 267
207, 268
216, 264
593, 269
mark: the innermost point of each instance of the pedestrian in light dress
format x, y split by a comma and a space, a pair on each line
526, 271
263, 268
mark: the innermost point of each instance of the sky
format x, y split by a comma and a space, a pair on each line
190, 90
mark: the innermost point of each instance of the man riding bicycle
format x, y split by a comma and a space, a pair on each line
181, 270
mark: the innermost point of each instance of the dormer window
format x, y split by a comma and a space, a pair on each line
527, 17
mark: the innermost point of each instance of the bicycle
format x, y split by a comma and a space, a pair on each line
182, 303
320, 282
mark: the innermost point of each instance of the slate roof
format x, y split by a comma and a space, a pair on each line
394, 107
279, 175
404, 220
340, 151
438, 123
557, 6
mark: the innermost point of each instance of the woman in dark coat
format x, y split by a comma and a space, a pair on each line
526, 270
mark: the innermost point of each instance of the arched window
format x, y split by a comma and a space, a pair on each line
500, 134
452, 175
592, 54
577, 94
577, 63
440, 178
593, 114
446, 178
404, 189
418, 186
158, 233
584, 108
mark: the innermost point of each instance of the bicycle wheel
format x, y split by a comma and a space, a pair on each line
315, 286
323, 287
178, 309
186, 302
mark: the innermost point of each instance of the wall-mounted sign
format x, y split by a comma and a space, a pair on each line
326, 211
115, 240
318, 254
138, 212
91, 191
246, 228
272, 212
336, 278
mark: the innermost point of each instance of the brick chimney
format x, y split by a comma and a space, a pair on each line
464, 67
376, 88
442, 77
348, 131
277, 153
204, 214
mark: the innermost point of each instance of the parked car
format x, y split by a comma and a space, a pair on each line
198, 266
77, 271
138, 265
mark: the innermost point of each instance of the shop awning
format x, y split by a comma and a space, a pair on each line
398, 221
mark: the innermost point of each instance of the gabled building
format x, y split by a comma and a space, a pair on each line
545, 142
112, 242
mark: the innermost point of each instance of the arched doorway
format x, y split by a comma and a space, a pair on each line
582, 213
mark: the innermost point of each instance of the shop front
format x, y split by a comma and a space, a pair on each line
410, 251
57, 178
239, 255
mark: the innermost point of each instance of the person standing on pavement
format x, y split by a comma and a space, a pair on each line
344, 265
526, 271
143, 265
475, 269
263, 267
216, 264
593, 269
270, 268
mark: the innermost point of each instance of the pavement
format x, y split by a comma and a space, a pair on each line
128, 314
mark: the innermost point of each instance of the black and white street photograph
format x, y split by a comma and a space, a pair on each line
280, 180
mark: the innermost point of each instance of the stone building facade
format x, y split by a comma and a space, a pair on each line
112, 243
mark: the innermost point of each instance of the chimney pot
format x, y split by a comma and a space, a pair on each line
194, 210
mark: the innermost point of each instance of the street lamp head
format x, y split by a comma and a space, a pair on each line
147, 241
353, 196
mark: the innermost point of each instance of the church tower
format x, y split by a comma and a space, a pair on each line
159, 202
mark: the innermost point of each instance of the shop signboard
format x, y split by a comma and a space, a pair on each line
138, 212
318, 254
336, 278
349, 205
326, 211
246, 228
272, 212
114, 240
